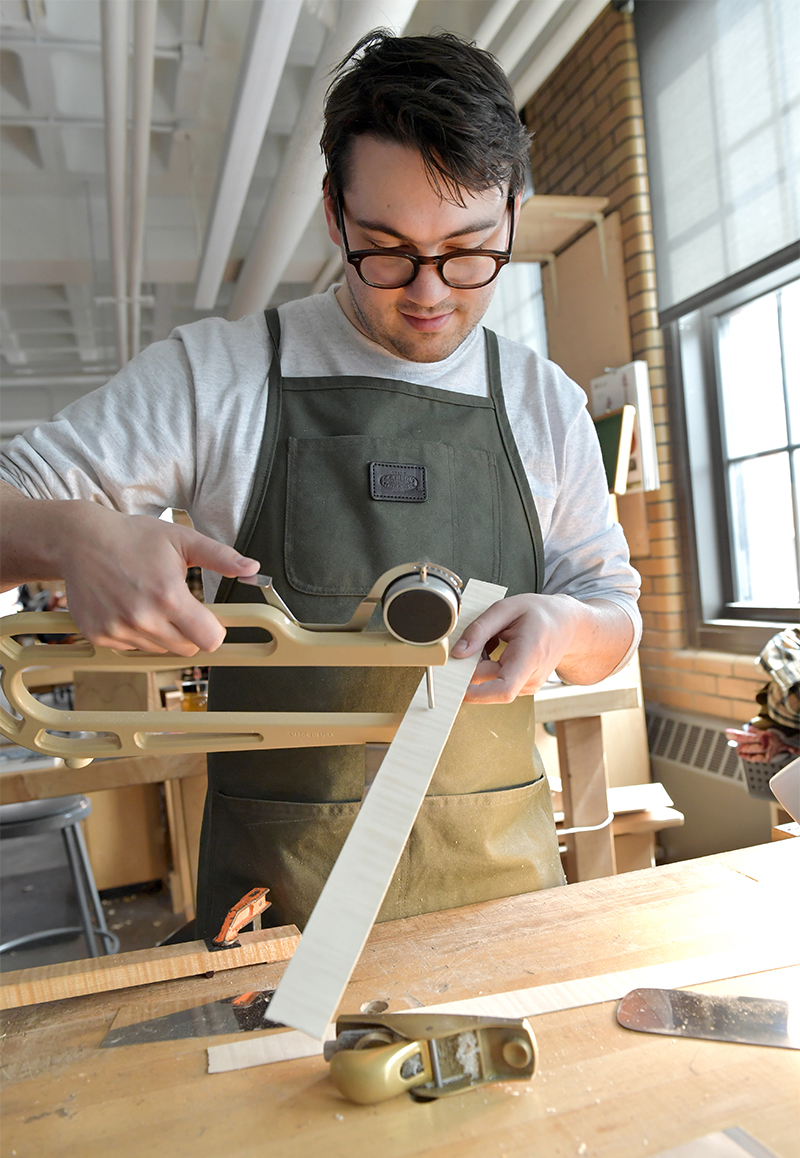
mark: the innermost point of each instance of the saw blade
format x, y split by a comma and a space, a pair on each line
245, 1013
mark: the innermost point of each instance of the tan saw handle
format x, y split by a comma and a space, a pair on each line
93, 734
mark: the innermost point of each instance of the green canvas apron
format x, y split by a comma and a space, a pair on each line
319, 525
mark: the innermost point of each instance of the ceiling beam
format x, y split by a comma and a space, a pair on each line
144, 43
114, 22
297, 188
80, 303
56, 43
525, 32
493, 21
70, 122
54, 381
584, 13
269, 39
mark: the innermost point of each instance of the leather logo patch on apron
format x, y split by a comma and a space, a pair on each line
398, 482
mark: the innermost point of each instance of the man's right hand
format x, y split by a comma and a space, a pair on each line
125, 575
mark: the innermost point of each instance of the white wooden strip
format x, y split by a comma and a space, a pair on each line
549, 998
315, 979
638, 798
731, 1143
624, 799
240, 1055
611, 986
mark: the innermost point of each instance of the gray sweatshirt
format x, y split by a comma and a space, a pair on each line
180, 426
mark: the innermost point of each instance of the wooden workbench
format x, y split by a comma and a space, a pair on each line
599, 1090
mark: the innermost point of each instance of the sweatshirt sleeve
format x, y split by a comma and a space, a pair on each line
586, 554
120, 445
179, 426
585, 551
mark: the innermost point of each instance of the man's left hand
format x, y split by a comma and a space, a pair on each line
582, 642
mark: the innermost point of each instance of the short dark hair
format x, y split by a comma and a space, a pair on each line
438, 94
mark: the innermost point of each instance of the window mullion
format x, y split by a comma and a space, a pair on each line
719, 457
789, 435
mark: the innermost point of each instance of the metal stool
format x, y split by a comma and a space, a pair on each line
64, 814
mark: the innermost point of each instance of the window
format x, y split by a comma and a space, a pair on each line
757, 352
517, 308
736, 369
721, 98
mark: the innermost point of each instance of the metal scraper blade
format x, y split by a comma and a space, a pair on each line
242, 1014
714, 1017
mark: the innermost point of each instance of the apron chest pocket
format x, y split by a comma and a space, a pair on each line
339, 538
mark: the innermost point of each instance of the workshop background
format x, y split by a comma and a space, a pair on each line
160, 163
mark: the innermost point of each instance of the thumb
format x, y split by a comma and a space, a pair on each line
484, 627
201, 551
471, 641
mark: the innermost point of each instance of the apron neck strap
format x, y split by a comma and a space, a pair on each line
274, 330
493, 367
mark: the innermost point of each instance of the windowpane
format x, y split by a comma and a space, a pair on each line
754, 416
790, 324
762, 525
517, 309
796, 473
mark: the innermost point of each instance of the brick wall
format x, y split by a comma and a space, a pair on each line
589, 141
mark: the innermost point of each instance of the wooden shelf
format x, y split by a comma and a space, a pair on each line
547, 224
557, 701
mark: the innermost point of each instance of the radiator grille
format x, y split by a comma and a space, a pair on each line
694, 742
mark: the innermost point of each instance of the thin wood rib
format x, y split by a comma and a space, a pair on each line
314, 981
142, 967
528, 1002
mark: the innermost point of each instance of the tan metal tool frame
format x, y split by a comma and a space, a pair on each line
33, 725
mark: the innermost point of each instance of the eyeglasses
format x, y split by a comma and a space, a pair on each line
393, 269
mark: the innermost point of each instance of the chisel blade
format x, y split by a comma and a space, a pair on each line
712, 1016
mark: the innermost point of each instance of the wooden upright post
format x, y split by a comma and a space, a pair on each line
584, 786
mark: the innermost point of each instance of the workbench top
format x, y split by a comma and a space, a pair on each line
599, 1089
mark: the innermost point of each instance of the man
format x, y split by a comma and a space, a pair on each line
266, 432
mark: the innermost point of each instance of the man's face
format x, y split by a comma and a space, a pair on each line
389, 203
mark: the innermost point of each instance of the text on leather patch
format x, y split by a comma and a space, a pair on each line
398, 482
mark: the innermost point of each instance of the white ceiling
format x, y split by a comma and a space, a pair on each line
59, 322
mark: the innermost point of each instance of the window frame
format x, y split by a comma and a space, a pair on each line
693, 386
